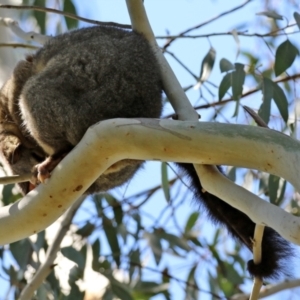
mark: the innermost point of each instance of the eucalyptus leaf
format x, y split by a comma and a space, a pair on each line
226, 65
285, 56
270, 14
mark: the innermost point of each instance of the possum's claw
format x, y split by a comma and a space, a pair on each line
43, 171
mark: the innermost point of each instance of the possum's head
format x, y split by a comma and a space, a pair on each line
19, 160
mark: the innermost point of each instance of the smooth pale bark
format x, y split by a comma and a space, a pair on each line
204, 143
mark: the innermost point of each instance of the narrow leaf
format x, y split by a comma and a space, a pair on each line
226, 65
207, 64
237, 40
265, 108
96, 253
165, 180
174, 240
120, 290
232, 174
116, 206
21, 252
281, 196
112, 238
86, 230
74, 255
237, 81
134, 258
224, 85
69, 7
270, 14
192, 290
285, 56
118, 212
40, 16
154, 243
273, 185
191, 221
297, 18
281, 101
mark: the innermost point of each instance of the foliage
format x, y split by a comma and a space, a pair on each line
112, 237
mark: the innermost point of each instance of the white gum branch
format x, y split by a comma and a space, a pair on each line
27, 36
184, 111
147, 139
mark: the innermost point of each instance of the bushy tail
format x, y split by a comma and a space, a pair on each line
276, 251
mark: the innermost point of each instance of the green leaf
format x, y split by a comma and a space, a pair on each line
150, 288
281, 101
74, 255
270, 14
40, 242
232, 174
105, 265
224, 85
165, 181
122, 231
207, 64
154, 243
98, 201
86, 230
191, 221
119, 289
75, 292
116, 206
192, 290
273, 185
96, 253
40, 16
195, 241
281, 196
41, 292
285, 56
237, 81
230, 278
7, 195
271, 90
21, 252
112, 238
265, 108
118, 212
69, 7
173, 240
134, 257
108, 295
226, 65
297, 18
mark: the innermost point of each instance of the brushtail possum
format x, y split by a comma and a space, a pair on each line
80, 78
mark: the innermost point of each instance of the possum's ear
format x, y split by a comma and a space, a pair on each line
11, 148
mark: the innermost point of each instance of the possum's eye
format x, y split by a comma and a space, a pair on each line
37, 157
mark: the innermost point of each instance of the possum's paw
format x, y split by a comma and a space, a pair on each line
42, 171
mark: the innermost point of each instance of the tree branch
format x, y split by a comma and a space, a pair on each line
66, 14
208, 21
47, 267
167, 140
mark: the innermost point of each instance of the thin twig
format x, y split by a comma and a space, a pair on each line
240, 33
47, 267
166, 274
15, 178
66, 14
19, 45
208, 21
27, 36
250, 92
